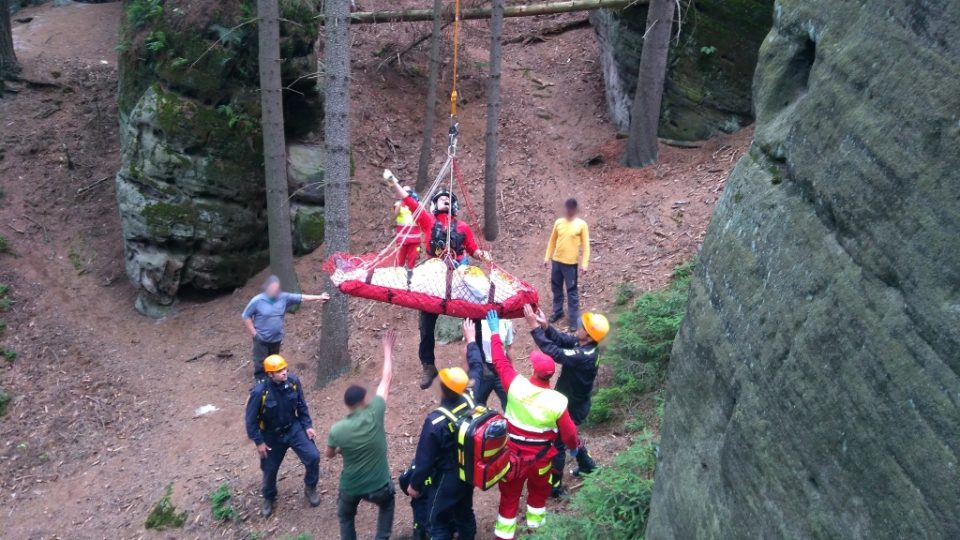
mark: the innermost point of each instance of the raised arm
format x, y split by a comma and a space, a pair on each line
389, 341
474, 354
501, 364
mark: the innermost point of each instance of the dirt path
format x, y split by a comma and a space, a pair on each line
103, 413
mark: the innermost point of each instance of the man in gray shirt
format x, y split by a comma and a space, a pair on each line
263, 318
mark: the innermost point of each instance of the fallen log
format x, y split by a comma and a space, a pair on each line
524, 10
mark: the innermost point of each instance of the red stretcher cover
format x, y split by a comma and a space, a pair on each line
433, 286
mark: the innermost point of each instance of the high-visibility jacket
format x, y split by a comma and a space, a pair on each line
408, 232
536, 414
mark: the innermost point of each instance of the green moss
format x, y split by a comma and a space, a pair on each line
163, 218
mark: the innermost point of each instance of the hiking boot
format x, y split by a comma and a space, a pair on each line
585, 463
429, 374
558, 492
266, 509
312, 495
556, 317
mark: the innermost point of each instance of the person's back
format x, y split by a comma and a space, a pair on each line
362, 440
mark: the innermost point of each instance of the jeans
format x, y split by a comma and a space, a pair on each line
384, 498
295, 439
488, 384
261, 350
565, 275
428, 337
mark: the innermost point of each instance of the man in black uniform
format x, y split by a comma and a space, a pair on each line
579, 354
277, 419
449, 500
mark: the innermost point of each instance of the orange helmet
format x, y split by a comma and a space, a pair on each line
274, 363
596, 325
455, 379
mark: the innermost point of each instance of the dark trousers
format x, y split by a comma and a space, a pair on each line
565, 276
428, 337
488, 384
578, 413
261, 350
294, 439
384, 498
450, 508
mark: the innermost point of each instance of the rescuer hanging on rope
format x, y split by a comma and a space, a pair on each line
447, 239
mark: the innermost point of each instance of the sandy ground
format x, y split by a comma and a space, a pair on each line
102, 416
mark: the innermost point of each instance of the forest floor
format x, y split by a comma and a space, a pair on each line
102, 416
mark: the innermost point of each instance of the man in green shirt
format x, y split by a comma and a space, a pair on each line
362, 440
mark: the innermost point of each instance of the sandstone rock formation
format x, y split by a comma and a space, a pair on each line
190, 189
710, 71
814, 388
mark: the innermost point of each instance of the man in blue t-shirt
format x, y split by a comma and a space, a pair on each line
263, 318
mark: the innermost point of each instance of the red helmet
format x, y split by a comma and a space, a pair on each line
543, 366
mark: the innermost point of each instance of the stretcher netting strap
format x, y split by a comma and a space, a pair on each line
436, 285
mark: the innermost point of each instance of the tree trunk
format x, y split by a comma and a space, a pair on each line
528, 10
274, 145
491, 227
429, 117
645, 112
8, 58
335, 333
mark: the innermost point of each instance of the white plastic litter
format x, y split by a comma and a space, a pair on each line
205, 409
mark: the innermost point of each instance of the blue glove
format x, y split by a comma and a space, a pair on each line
493, 322
574, 452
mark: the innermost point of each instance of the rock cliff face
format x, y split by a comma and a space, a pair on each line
814, 388
710, 72
191, 189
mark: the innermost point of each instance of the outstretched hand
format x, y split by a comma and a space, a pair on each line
493, 321
469, 331
389, 340
530, 316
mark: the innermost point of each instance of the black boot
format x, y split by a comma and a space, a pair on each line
419, 533
585, 463
266, 509
312, 495
429, 374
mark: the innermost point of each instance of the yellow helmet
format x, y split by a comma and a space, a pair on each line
455, 379
596, 325
274, 363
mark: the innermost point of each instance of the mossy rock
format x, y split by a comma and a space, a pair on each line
449, 330
710, 71
308, 228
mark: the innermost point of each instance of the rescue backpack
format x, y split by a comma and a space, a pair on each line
438, 239
482, 455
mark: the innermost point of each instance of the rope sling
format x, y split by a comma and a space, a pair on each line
439, 284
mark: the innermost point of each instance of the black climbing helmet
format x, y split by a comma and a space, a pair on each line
454, 205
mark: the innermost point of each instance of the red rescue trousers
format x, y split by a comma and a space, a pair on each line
537, 478
407, 255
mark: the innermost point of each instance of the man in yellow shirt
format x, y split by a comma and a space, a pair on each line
570, 235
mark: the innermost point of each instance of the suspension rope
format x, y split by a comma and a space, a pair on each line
456, 58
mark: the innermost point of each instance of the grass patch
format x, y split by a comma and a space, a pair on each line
221, 504
640, 348
8, 354
4, 402
301, 536
613, 503
5, 304
164, 514
4, 245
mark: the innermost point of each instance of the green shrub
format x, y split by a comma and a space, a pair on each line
3, 326
164, 514
220, 502
156, 41
4, 245
613, 503
4, 289
625, 292
8, 354
4, 402
5, 304
301, 536
140, 12
640, 346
